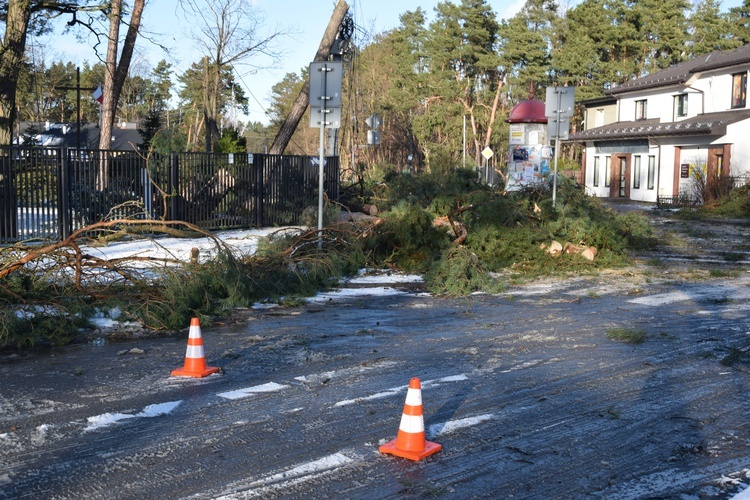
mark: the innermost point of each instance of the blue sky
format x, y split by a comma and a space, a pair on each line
307, 19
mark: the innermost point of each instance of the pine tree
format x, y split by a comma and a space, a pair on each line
663, 29
740, 19
711, 30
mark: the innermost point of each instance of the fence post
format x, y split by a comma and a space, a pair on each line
64, 216
172, 185
259, 161
8, 199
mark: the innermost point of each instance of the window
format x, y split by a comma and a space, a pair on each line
596, 171
641, 110
599, 117
636, 172
651, 171
739, 89
606, 171
680, 105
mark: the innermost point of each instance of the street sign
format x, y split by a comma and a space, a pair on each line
325, 84
325, 94
560, 102
552, 128
373, 137
487, 153
374, 121
332, 117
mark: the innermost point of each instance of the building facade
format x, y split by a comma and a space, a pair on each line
656, 136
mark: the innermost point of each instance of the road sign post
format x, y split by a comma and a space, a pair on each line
325, 110
559, 108
374, 122
487, 153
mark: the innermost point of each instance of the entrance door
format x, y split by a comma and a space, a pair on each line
717, 174
620, 180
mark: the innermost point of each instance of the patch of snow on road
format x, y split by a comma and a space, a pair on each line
719, 294
300, 473
345, 293
107, 419
40, 435
534, 289
527, 364
384, 277
661, 299
250, 391
453, 425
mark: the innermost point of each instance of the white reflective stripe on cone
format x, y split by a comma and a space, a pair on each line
195, 351
412, 423
414, 397
195, 332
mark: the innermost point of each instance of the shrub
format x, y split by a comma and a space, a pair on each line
460, 272
407, 239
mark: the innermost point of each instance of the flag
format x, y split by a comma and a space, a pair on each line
98, 94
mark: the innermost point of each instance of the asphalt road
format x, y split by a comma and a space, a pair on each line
525, 391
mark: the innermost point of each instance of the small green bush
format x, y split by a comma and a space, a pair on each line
627, 335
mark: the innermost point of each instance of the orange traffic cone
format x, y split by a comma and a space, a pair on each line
195, 359
410, 441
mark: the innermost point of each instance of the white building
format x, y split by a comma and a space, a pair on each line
693, 115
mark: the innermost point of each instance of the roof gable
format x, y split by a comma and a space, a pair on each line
682, 72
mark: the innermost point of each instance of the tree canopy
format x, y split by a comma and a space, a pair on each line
439, 80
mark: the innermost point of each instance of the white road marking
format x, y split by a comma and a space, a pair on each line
251, 391
107, 419
453, 425
396, 390
320, 377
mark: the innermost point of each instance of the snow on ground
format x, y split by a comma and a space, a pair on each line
244, 242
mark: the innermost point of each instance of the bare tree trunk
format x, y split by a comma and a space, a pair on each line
110, 66
11, 56
287, 129
127, 50
108, 96
493, 114
114, 76
212, 78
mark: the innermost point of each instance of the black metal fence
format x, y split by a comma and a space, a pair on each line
46, 193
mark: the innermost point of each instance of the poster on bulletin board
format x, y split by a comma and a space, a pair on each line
517, 135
